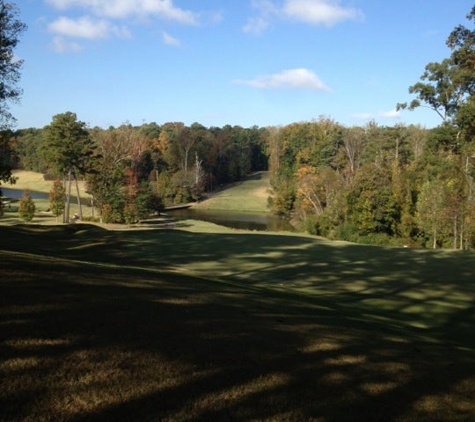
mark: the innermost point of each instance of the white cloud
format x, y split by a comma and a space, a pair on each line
266, 10
101, 17
80, 28
320, 12
169, 40
293, 78
60, 45
315, 12
125, 8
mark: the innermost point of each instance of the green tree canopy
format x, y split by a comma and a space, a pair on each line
69, 148
10, 31
68, 144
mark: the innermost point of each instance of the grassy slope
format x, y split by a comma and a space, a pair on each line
248, 196
182, 325
35, 182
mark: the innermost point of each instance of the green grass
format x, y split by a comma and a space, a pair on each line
201, 323
249, 196
35, 182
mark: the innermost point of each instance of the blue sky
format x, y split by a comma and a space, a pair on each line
237, 62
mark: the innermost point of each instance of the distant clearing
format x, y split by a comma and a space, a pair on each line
249, 195
35, 182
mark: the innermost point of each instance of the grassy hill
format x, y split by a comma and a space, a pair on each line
194, 325
249, 195
36, 182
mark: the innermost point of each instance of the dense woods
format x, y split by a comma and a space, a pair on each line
387, 185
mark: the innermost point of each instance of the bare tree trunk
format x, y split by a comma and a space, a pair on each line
65, 199
434, 243
79, 196
156, 180
198, 170
454, 246
68, 197
317, 205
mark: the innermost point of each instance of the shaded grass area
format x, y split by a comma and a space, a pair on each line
42, 215
173, 325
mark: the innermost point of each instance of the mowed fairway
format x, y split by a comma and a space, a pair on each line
191, 325
249, 196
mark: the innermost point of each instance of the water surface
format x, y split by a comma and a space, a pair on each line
235, 220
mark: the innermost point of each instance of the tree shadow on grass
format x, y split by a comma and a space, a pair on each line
328, 333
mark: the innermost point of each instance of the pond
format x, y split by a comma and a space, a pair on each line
18, 193
235, 220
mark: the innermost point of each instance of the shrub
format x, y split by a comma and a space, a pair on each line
107, 214
57, 198
91, 219
130, 214
26, 207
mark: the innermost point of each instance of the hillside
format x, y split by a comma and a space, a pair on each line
249, 195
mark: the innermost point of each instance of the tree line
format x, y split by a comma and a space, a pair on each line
371, 184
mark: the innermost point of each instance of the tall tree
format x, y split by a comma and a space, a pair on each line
5, 160
10, 30
69, 149
442, 90
462, 43
354, 144
446, 86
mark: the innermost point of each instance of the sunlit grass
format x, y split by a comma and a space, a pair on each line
35, 182
249, 195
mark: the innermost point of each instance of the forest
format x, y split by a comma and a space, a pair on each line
383, 185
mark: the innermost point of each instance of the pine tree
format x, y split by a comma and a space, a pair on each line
69, 149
